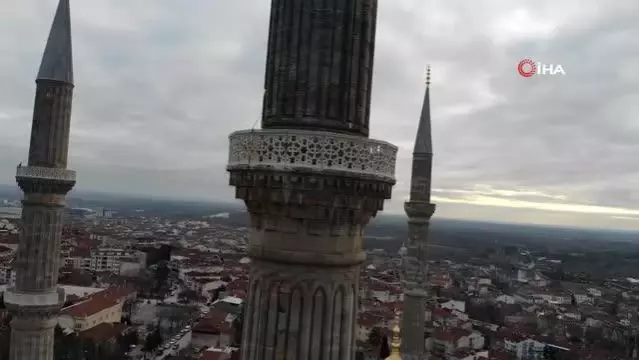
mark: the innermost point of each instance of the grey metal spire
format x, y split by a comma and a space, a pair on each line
424, 141
57, 61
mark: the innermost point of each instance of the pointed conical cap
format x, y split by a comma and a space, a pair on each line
57, 61
424, 141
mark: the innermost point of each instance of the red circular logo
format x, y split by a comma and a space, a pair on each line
527, 68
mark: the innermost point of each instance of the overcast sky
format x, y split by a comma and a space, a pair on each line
160, 84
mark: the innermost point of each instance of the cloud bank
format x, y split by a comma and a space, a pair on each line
160, 85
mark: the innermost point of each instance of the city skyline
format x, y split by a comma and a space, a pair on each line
506, 148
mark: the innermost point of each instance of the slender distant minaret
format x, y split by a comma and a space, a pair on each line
419, 210
35, 299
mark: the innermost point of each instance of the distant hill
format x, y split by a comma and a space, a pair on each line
10, 192
386, 230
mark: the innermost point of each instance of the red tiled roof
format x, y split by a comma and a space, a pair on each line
86, 243
9, 238
80, 252
214, 323
98, 302
442, 313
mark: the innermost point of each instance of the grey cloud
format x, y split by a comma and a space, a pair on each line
160, 85
515, 194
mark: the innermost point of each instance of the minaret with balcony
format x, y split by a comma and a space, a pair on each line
35, 299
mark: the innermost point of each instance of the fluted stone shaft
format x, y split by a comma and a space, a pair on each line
50, 130
304, 281
413, 320
35, 299
319, 66
294, 314
415, 280
38, 253
33, 338
415, 265
306, 244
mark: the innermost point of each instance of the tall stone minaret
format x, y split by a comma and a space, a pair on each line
35, 299
311, 180
419, 210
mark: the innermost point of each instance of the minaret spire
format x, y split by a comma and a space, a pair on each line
424, 142
419, 210
57, 60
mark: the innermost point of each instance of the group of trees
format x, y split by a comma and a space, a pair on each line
187, 296
73, 347
553, 353
125, 341
154, 282
153, 339
175, 317
489, 313
128, 309
156, 255
161, 276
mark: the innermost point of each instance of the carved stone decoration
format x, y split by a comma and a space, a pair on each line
38, 172
289, 150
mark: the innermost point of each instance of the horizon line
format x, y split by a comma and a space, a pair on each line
80, 192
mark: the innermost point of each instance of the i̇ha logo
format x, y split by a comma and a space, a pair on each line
528, 68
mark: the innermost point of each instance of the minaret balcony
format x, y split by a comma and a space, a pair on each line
45, 173
303, 151
417, 211
42, 302
39, 179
